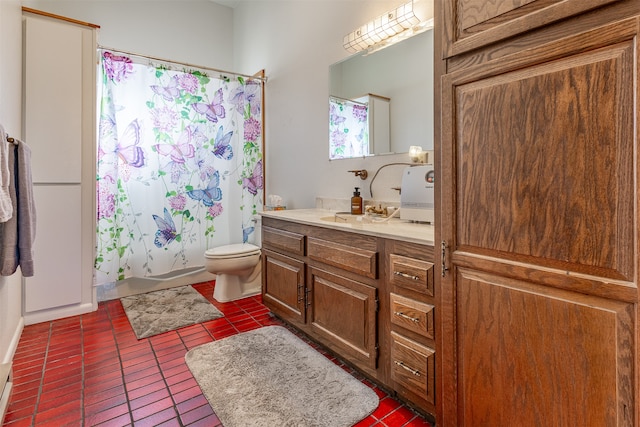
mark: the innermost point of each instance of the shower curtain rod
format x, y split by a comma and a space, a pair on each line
258, 76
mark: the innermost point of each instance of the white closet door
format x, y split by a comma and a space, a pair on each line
53, 99
57, 250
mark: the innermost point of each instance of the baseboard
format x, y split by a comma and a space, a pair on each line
13, 344
142, 285
6, 385
6, 377
58, 313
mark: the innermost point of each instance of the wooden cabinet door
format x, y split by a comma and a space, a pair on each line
478, 23
283, 281
540, 227
343, 312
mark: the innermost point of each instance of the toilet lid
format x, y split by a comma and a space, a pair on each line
235, 250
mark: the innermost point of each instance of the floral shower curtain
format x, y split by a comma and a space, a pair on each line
179, 166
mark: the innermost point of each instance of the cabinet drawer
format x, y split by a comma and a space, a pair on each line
412, 315
411, 273
413, 366
285, 240
356, 260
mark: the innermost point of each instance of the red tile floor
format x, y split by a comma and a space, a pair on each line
91, 370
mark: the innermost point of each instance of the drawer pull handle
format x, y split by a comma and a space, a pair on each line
404, 316
405, 367
406, 275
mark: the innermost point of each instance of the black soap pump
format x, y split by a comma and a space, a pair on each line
356, 203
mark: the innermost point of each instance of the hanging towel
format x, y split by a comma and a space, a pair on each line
6, 207
17, 235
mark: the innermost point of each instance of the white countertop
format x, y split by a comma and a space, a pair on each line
394, 228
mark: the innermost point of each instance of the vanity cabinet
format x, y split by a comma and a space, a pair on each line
538, 274
324, 283
369, 299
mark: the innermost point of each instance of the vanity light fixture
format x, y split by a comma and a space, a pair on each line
417, 155
398, 24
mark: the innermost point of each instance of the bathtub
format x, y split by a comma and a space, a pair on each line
141, 285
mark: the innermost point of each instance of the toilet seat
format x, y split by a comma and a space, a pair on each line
232, 251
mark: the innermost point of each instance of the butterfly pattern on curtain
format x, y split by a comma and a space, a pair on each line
348, 129
179, 166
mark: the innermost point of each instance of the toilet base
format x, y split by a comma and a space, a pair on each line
231, 287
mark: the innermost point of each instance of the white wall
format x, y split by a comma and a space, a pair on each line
296, 42
192, 31
11, 118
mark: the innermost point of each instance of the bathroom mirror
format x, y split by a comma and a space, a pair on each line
401, 73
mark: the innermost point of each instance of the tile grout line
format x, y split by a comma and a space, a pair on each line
164, 380
117, 345
44, 371
82, 372
175, 404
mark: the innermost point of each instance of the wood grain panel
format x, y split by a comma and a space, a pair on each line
344, 311
411, 273
354, 259
479, 23
413, 368
536, 177
283, 286
474, 12
285, 240
541, 355
412, 315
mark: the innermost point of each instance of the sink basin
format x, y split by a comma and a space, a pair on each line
340, 217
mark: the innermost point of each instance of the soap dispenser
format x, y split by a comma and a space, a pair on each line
356, 203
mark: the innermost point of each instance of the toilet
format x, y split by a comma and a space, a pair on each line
238, 271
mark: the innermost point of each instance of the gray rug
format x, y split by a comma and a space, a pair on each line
270, 377
161, 311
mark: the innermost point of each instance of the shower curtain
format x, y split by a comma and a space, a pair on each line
179, 166
348, 128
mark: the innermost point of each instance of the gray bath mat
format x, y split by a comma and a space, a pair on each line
270, 377
161, 311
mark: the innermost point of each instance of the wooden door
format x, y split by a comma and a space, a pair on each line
539, 227
343, 312
283, 284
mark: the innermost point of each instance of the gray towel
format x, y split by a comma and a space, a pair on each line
6, 207
17, 235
